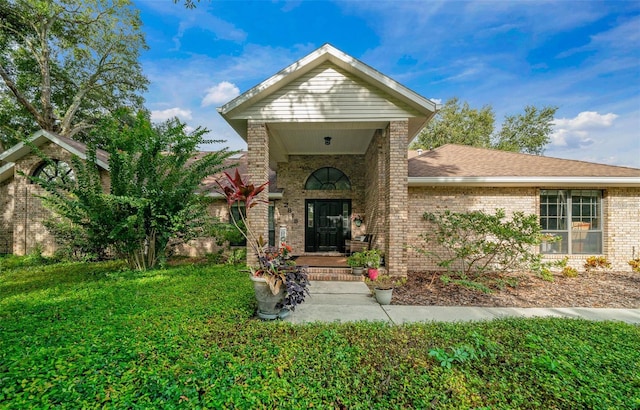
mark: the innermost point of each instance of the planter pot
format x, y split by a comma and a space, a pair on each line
358, 271
373, 273
268, 302
383, 296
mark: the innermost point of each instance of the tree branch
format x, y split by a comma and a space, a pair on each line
21, 98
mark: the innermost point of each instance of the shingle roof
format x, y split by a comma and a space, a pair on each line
464, 161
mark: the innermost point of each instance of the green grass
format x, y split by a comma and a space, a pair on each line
97, 335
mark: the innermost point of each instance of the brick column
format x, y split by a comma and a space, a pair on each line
258, 173
397, 198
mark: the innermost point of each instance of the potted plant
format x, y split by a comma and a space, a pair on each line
357, 263
371, 259
383, 287
279, 284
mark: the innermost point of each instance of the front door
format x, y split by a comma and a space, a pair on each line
327, 224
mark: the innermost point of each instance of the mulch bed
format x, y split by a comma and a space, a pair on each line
595, 289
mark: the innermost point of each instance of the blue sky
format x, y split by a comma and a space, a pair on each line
581, 56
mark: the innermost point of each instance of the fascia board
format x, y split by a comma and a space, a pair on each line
21, 149
6, 171
526, 181
74, 151
342, 60
290, 73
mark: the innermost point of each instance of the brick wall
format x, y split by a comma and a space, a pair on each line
396, 191
621, 210
438, 199
258, 170
28, 211
6, 216
374, 193
293, 175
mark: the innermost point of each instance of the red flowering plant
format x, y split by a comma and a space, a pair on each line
273, 263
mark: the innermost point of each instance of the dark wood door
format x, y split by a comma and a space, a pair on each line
326, 228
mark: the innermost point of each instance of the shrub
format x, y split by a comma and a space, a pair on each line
635, 264
356, 260
476, 243
152, 203
569, 272
596, 262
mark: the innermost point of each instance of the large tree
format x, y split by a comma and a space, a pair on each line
66, 63
153, 201
457, 123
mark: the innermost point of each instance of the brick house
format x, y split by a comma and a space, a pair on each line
332, 136
336, 133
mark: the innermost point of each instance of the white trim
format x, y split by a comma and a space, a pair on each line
6, 171
21, 149
526, 181
329, 53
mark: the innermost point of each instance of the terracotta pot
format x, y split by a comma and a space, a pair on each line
268, 308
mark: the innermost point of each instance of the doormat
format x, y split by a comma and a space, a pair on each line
322, 261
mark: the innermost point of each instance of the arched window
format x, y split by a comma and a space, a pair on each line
55, 170
327, 178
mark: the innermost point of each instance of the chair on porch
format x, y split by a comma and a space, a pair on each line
357, 244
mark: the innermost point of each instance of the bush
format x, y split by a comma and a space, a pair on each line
476, 243
569, 272
152, 203
596, 262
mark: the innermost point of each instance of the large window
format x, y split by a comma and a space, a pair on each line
328, 178
576, 217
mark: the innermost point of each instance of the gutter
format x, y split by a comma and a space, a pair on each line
507, 181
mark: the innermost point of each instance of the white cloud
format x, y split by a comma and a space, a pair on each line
163, 115
586, 119
220, 93
576, 132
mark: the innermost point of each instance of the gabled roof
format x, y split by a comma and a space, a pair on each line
235, 111
470, 166
21, 149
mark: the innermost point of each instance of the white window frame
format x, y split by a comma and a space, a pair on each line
577, 222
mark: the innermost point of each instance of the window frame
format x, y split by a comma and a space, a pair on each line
65, 176
575, 209
328, 182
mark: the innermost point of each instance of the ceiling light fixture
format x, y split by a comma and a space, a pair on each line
327, 140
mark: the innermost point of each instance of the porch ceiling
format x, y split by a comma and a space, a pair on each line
347, 138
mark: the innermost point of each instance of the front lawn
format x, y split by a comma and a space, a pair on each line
98, 335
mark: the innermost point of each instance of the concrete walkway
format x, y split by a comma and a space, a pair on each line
352, 301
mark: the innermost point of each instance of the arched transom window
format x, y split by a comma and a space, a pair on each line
328, 178
55, 170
